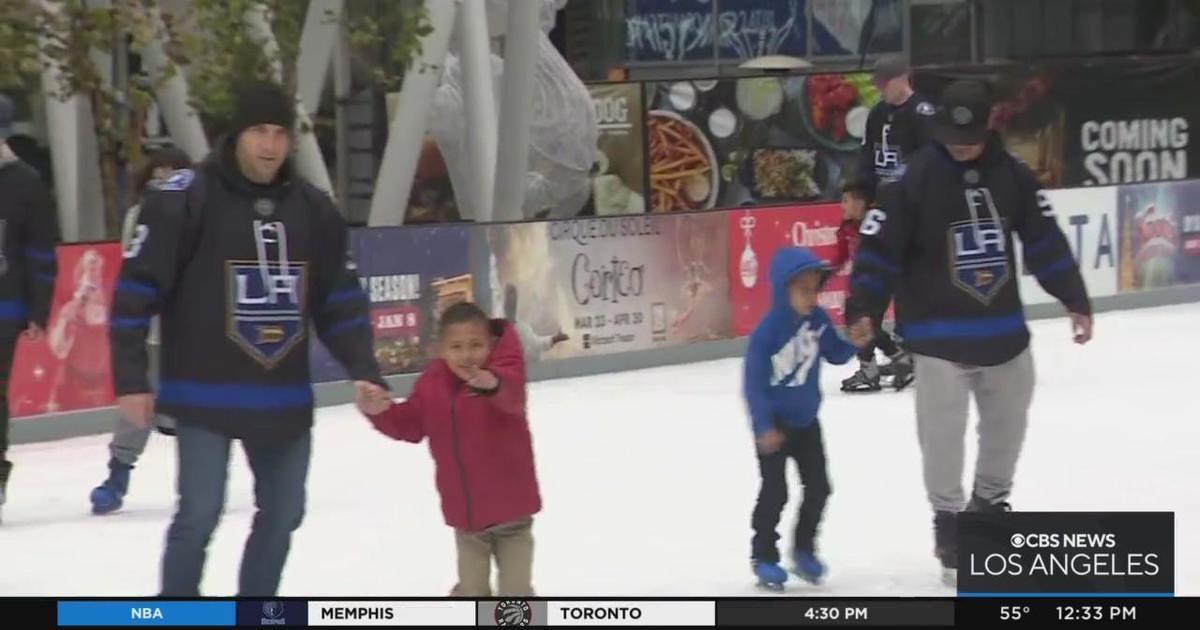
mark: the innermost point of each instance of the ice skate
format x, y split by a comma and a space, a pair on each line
866, 379
979, 504
5, 471
109, 496
770, 575
945, 533
808, 567
901, 369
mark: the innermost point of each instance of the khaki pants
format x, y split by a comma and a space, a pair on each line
511, 544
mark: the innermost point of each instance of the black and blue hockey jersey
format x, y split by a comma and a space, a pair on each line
941, 241
239, 273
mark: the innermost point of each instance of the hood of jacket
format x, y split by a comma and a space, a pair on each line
788, 263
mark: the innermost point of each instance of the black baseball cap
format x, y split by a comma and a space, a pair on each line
7, 114
890, 66
963, 113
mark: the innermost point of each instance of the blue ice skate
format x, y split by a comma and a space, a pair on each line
808, 567
770, 575
109, 496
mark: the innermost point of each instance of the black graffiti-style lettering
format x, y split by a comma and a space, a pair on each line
606, 283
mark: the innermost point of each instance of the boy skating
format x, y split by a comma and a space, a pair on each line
856, 195
782, 389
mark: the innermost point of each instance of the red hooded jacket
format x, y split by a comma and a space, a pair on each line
847, 243
480, 442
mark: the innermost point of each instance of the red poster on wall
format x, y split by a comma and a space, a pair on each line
67, 368
754, 237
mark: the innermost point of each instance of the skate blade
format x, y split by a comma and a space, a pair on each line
950, 577
808, 579
774, 587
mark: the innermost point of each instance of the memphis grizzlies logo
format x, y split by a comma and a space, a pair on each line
791, 365
265, 298
979, 249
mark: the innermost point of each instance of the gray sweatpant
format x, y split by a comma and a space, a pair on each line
1003, 394
129, 440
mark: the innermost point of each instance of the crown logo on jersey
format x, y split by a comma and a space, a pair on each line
264, 207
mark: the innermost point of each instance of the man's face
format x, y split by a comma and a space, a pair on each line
894, 90
261, 151
965, 152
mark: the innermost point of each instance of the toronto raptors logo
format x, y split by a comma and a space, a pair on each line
513, 612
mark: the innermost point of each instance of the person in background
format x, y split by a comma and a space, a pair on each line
129, 439
471, 405
942, 242
532, 343
29, 233
856, 195
896, 127
782, 388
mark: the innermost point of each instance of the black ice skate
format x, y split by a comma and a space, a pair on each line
979, 504
5, 471
866, 379
945, 536
901, 369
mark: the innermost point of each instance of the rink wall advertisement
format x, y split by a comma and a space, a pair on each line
607, 285
1160, 235
68, 367
1088, 218
409, 274
754, 237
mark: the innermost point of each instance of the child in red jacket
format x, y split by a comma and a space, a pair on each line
470, 403
856, 196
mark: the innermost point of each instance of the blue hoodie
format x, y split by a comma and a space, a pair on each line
782, 381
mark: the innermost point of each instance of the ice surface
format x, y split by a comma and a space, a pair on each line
648, 479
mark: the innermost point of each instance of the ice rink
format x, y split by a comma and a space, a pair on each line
648, 480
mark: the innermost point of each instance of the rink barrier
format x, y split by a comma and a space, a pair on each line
95, 421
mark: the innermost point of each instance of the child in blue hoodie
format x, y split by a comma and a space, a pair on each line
782, 389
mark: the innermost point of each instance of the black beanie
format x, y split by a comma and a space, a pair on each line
262, 103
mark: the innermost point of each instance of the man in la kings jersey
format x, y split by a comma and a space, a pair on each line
240, 258
897, 127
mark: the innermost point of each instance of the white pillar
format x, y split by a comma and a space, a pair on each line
318, 40
172, 95
75, 161
407, 129
341, 92
516, 107
479, 99
309, 161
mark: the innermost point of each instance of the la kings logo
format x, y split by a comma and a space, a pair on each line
887, 156
978, 249
266, 297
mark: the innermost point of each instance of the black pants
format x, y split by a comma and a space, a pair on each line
883, 341
807, 449
8, 349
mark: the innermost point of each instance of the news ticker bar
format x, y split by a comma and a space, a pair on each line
764, 611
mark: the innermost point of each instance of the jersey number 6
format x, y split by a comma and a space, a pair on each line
873, 222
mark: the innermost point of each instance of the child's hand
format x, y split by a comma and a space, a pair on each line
483, 380
861, 332
770, 441
370, 398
